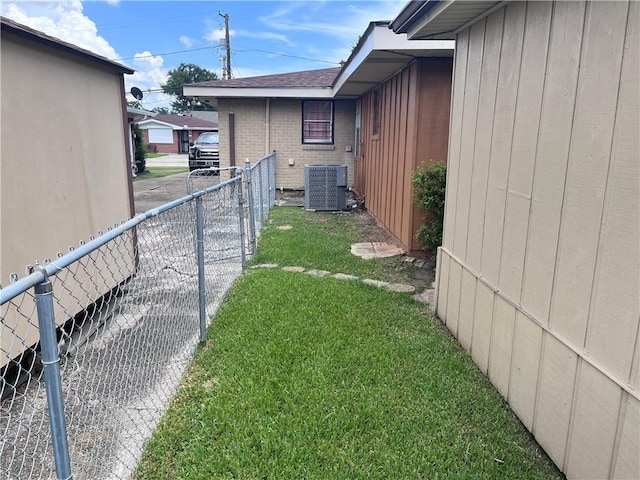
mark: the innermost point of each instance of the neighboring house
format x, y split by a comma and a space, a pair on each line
173, 133
294, 114
367, 115
539, 274
70, 175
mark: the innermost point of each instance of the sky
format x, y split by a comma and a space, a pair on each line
153, 37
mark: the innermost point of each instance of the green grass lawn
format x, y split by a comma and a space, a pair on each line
306, 377
155, 155
157, 172
322, 240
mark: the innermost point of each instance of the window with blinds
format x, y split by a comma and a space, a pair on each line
317, 121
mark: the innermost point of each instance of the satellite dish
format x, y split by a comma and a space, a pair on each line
137, 93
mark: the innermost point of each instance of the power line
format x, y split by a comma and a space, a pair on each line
285, 55
166, 53
234, 50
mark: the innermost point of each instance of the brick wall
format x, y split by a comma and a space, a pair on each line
285, 137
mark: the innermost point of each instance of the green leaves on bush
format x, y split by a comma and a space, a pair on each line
140, 149
429, 183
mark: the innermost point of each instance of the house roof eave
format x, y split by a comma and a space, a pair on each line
380, 54
136, 114
174, 126
12, 27
441, 19
160, 123
256, 92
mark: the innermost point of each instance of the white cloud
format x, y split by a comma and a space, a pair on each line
66, 21
148, 76
186, 41
320, 17
63, 20
217, 34
276, 37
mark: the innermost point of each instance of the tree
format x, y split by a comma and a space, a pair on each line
134, 104
161, 110
186, 73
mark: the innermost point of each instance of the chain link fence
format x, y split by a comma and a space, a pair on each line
95, 343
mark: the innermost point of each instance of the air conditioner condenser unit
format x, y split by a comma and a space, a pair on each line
325, 187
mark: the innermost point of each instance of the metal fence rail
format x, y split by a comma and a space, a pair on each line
95, 343
261, 192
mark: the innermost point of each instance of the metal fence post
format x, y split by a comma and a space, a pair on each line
261, 207
243, 253
201, 285
252, 221
52, 379
273, 178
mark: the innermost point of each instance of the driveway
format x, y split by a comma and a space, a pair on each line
153, 192
171, 160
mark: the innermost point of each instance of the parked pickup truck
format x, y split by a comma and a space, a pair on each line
204, 152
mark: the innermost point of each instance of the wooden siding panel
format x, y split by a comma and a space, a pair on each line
484, 133
455, 137
433, 88
552, 156
414, 123
467, 144
553, 401
483, 316
588, 165
453, 300
399, 164
387, 126
595, 420
523, 153
615, 310
443, 285
501, 345
467, 302
502, 139
627, 459
413, 108
527, 343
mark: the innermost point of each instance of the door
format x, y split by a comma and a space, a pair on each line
184, 141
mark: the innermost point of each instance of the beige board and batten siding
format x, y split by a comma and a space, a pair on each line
539, 273
285, 137
64, 181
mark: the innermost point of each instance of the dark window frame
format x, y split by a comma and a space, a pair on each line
330, 141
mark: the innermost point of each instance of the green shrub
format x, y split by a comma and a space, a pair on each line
429, 183
140, 149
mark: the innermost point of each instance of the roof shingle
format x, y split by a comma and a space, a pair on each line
187, 120
306, 79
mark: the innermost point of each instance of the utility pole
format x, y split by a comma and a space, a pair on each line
227, 72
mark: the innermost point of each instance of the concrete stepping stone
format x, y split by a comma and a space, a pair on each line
344, 276
369, 250
293, 269
401, 287
375, 283
265, 265
318, 273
